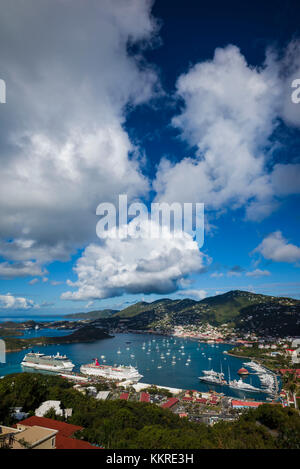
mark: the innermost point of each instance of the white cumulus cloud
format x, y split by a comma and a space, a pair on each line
194, 293
276, 248
135, 265
10, 270
230, 110
63, 144
9, 301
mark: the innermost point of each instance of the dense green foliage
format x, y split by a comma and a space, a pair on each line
120, 424
157, 390
263, 356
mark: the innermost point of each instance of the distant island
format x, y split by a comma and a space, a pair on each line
81, 335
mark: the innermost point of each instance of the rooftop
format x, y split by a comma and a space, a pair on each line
35, 434
65, 429
144, 397
63, 432
245, 403
170, 402
63, 442
102, 395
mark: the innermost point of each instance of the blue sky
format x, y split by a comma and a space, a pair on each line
162, 101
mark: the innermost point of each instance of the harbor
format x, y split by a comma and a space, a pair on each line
161, 360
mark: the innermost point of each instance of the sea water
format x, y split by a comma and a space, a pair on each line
162, 360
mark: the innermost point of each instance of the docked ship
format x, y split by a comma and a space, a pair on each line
129, 373
213, 377
242, 386
40, 361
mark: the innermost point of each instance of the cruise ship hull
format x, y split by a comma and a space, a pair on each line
110, 373
39, 366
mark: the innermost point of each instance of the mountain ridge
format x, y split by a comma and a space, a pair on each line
241, 309
96, 314
246, 311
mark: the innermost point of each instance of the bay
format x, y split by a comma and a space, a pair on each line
162, 360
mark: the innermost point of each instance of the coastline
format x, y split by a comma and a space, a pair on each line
85, 334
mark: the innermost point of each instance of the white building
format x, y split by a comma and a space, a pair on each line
46, 406
103, 395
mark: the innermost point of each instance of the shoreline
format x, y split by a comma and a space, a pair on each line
259, 361
163, 385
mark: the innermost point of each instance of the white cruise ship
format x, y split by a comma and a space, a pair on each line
40, 361
111, 372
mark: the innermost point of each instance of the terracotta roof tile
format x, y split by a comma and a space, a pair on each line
63, 442
65, 429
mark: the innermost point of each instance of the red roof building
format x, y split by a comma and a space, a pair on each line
214, 401
65, 431
144, 397
201, 400
294, 371
63, 442
170, 403
244, 404
124, 396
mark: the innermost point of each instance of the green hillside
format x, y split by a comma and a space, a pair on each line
244, 310
99, 314
227, 307
218, 309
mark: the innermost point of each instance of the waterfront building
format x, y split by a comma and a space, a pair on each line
170, 403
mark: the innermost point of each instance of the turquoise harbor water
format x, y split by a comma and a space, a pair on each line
153, 356
29, 334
